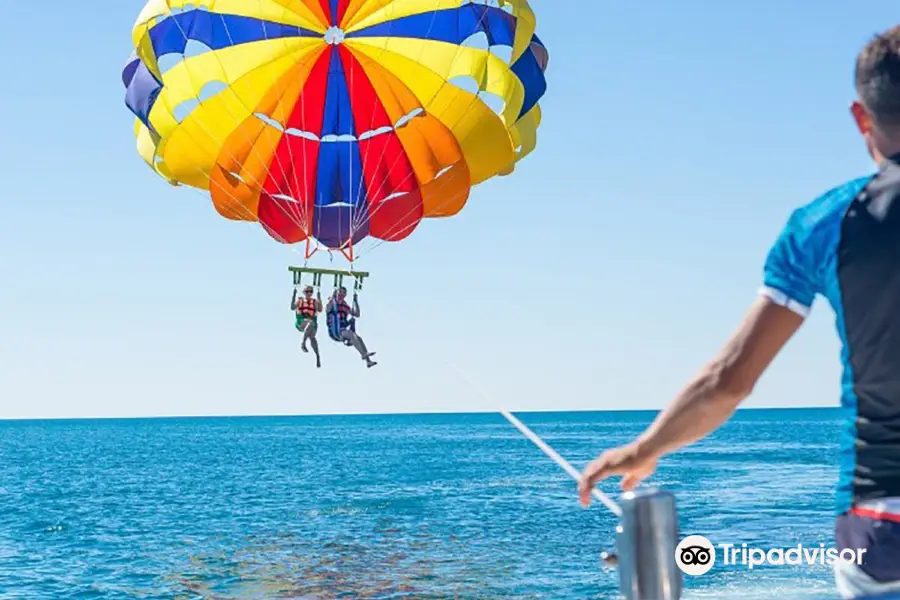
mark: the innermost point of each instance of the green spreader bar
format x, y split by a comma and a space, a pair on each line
358, 276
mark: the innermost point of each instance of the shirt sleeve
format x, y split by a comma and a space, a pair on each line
791, 275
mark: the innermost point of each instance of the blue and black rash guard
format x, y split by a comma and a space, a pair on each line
845, 246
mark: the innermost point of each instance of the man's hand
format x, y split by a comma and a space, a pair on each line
631, 461
706, 402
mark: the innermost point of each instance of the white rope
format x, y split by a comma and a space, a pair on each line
554, 456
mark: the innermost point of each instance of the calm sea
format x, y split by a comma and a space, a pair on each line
449, 506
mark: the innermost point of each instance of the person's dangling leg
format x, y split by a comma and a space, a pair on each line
310, 334
301, 327
360, 346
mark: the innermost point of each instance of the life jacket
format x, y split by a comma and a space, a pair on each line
343, 311
339, 320
306, 307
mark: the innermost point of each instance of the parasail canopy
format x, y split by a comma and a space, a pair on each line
335, 120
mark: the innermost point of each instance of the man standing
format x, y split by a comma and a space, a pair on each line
844, 246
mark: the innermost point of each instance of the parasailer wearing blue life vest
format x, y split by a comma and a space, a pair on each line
845, 247
342, 323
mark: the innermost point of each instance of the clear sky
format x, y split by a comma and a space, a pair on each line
677, 137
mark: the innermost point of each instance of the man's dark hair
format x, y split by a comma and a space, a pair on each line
878, 77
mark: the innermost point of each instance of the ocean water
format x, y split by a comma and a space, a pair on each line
435, 506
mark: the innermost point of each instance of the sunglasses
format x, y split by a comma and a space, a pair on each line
307, 291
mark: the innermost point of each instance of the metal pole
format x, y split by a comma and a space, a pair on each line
646, 538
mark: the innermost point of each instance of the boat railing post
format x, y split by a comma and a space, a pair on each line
646, 538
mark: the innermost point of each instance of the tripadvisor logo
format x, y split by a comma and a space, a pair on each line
695, 555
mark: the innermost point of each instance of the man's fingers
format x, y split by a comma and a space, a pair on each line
595, 472
630, 481
588, 479
623, 461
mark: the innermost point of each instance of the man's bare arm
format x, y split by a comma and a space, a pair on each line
715, 393
706, 402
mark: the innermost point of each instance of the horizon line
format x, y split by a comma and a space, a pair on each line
173, 417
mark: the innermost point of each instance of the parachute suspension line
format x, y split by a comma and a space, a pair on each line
302, 220
367, 217
259, 184
297, 274
347, 251
237, 202
291, 217
397, 229
208, 175
309, 253
305, 217
403, 229
360, 217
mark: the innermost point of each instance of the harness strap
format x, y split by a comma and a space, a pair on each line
337, 321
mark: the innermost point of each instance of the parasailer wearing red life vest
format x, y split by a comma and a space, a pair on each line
306, 310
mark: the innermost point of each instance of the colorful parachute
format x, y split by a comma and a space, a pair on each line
334, 120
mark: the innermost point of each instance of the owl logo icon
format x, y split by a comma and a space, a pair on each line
695, 555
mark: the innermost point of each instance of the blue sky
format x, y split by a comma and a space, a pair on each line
677, 137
